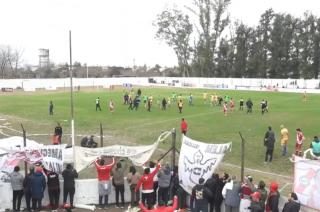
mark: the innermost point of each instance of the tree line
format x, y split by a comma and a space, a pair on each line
280, 46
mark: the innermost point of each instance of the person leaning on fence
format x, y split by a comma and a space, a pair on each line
118, 182
133, 179
146, 181
69, 174
16, 180
104, 182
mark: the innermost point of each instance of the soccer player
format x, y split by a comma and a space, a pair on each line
241, 103
249, 105
263, 106
231, 105
205, 96
299, 141
184, 126
225, 108
180, 105
111, 106
51, 108
98, 104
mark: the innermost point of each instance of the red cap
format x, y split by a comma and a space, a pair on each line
256, 195
273, 186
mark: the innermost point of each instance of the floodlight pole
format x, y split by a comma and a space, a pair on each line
242, 157
71, 100
24, 145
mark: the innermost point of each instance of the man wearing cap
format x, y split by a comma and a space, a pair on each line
38, 185
273, 198
284, 138
255, 205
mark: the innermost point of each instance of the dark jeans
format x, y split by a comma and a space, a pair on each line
212, 205
147, 200
106, 197
163, 195
66, 192
231, 209
119, 189
155, 188
27, 196
135, 196
36, 204
17, 195
269, 153
54, 195
201, 205
217, 205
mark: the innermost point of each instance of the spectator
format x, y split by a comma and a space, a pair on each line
247, 188
104, 183
17, 186
118, 182
293, 204
273, 198
38, 185
231, 192
255, 205
263, 193
218, 195
315, 146
164, 179
211, 184
199, 197
53, 189
133, 179
161, 208
299, 140
69, 174
27, 187
177, 190
146, 181
184, 126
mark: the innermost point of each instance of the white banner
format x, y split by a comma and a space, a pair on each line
198, 160
137, 154
53, 157
307, 182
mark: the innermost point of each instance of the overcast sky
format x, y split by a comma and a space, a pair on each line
110, 32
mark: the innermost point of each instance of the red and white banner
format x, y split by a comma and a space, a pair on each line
307, 182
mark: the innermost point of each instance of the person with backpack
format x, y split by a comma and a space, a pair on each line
199, 197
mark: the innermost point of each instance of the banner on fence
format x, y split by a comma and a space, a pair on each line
137, 154
307, 182
198, 160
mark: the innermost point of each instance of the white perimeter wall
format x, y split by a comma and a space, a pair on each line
283, 85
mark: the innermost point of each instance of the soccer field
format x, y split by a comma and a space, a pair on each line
206, 123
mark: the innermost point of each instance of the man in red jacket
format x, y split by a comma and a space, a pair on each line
104, 184
161, 208
184, 126
147, 186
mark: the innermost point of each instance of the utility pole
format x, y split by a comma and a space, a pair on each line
24, 145
71, 99
101, 136
242, 157
174, 137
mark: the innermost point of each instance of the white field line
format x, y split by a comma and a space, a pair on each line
9, 128
258, 171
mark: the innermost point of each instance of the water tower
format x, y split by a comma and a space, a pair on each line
44, 58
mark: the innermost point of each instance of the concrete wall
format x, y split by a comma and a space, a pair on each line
283, 85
